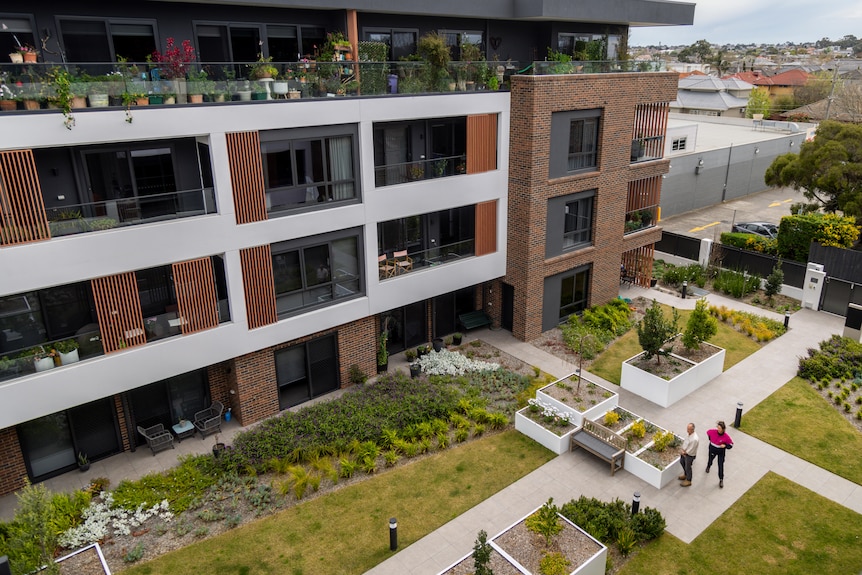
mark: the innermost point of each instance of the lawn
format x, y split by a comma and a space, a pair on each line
776, 528
347, 531
608, 365
796, 411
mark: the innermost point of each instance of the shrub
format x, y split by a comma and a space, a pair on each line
736, 283
611, 417
699, 327
774, 280
750, 242
482, 555
796, 232
545, 521
655, 330
626, 540
662, 440
356, 376
648, 524
554, 564
134, 554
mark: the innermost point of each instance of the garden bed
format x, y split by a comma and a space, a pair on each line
553, 437
590, 402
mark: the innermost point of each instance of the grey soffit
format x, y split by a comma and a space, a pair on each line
631, 12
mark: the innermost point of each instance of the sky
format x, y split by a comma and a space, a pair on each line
759, 21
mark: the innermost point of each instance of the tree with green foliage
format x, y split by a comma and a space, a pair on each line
655, 330
758, 103
545, 521
482, 555
36, 541
796, 232
700, 51
828, 169
774, 280
700, 326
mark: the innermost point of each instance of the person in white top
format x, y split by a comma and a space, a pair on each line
687, 453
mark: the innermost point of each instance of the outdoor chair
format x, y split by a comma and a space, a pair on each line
209, 420
403, 261
157, 437
387, 270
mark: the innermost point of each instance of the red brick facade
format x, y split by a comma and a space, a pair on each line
13, 473
534, 99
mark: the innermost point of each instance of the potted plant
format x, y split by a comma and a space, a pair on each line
64, 97
174, 63
7, 96
218, 447
457, 337
437, 342
83, 462
259, 91
97, 92
422, 350
28, 53
43, 359
68, 350
410, 355
382, 352
263, 68
198, 86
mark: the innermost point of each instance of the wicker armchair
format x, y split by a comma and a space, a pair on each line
157, 437
209, 420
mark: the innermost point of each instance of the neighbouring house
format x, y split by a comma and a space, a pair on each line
711, 96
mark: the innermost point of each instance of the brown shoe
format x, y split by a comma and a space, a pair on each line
685, 483
681, 477
721, 482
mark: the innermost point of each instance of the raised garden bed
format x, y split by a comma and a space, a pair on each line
555, 438
591, 402
668, 389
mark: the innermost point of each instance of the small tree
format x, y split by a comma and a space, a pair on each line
545, 521
700, 326
758, 103
482, 555
774, 280
36, 543
655, 330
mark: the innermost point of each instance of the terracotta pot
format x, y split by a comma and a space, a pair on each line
8, 105
196, 98
29, 57
79, 101
145, 101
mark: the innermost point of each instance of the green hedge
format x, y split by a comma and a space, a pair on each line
751, 242
795, 234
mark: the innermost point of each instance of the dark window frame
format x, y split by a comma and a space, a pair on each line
575, 305
421, 161
557, 223
679, 144
564, 134
324, 188
577, 227
107, 22
309, 371
392, 56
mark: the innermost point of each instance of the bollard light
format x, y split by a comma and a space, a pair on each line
787, 320
393, 534
636, 503
684, 289
738, 421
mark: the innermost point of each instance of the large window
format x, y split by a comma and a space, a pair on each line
306, 172
429, 239
401, 42
406, 151
570, 223
16, 30
105, 40
574, 289
455, 39
578, 225
316, 271
574, 142
307, 370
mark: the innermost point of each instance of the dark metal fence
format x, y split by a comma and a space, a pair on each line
679, 245
733, 258
838, 262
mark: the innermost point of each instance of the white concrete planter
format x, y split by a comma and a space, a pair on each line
667, 392
545, 437
602, 405
595, 565
658, 478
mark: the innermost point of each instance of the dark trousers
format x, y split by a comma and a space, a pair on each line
686, 461
713, 452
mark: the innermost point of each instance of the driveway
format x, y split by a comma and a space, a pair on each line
711, 222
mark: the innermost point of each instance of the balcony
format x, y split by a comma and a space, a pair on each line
396, 265
640, 219
129, 86
596, 67
439, 167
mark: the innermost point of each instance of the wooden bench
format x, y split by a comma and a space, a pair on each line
601, 442
474, 319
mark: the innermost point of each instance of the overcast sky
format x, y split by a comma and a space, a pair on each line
759, 21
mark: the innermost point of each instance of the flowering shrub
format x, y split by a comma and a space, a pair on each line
174, 59
102, 516
548, 414
445, 362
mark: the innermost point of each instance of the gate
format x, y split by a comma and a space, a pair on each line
838, 293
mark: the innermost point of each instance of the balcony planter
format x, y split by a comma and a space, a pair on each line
98, 100
16, 58
68, 350
244, 95
415, 370
542, 435
655, 476
592, 401
665, 392
156, 99
43, 363
279, 88
437, 342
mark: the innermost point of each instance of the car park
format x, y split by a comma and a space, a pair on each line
764, 229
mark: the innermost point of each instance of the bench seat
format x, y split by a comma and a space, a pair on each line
601, 442
474, 319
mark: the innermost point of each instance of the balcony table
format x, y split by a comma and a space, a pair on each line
184, 429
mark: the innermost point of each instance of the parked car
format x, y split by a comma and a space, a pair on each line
764, 229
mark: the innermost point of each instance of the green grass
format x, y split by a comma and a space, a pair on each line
797, 419
608, 365
776, 528
347, 531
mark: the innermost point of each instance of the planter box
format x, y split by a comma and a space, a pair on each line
594, 565
557, 443
658, 478
602, 405
667, 392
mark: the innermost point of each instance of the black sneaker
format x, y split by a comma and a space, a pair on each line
721, 482
707, 468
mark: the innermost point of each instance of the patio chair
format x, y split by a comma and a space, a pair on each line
403, 261
157, 437
387, 270
209, 420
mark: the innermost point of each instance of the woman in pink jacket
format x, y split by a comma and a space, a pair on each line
719, 443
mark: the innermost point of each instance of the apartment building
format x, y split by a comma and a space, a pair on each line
251, 251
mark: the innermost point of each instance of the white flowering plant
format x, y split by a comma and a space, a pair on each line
102, 518
445, 362
547, 414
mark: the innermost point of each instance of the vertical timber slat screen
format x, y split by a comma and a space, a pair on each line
118, 308
246, 177
197, 304
651, 123
481, 143
259, 286
643, 193
486, 228
638, 263
22, 211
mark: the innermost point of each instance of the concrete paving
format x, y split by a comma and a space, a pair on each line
688, 511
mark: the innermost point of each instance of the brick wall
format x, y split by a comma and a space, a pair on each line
13, 473
534, 99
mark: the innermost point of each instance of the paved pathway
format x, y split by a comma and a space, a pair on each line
688, 511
